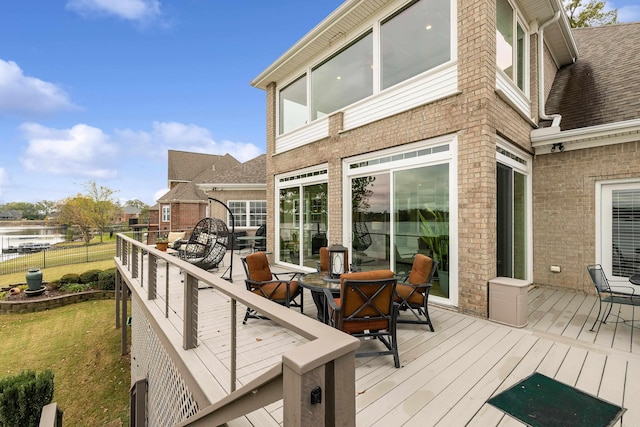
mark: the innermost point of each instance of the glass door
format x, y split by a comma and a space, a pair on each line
511, 251
620, 230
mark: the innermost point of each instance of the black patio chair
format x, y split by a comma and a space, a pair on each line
207, 244
607, 295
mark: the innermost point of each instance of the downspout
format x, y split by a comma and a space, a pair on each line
541, 107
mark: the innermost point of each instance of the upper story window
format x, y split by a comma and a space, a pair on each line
166, 213
343, 79
415, 39
293, 105
511, 49
402, 45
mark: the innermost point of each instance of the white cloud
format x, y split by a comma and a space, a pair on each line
131, 10
184, 137
80, 151
24, 95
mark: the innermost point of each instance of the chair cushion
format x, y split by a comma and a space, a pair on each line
174, 235
280, 288
405, 290
324, 259
258, 267
421, 270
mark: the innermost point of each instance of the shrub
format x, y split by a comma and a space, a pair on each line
23, 396
107, 280
70, 278
73, 287
90, 276
55, 284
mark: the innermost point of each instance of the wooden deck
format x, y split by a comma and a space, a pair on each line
446, 376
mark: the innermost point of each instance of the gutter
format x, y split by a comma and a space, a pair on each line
541, 104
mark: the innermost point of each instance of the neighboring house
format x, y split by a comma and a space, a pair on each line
127, 214
11, 215
396, 124
194, 178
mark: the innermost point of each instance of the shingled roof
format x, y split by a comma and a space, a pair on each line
603, 85
253, 171
184, 192
186, 166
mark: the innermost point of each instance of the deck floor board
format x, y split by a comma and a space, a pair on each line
446, 376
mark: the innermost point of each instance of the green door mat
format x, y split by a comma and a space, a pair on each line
540, 401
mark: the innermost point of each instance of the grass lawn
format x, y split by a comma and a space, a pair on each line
53, 273
81, 345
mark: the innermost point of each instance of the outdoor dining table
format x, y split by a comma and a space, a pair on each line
317, 283
635, 279
252, 240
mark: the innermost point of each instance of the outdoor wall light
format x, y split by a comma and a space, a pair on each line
559, 147
337, 254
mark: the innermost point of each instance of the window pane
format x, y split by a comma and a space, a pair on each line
625, 232
414, 40
257, 213
293, 105
421, 225
520, 53
343, 79
370, 215
239, 210
314, 222
504, 36
519, 226
289, 225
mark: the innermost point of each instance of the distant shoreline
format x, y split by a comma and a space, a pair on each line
30, 223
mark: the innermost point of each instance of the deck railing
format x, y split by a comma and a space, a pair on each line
315, 378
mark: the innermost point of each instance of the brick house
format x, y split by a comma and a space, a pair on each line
194, 177
486, 134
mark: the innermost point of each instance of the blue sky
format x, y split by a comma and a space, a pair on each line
101, 89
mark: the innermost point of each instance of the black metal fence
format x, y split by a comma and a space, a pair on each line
56, 256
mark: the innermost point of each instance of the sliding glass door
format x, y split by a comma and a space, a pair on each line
512, 211
302, 224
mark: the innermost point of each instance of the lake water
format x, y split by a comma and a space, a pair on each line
16, 236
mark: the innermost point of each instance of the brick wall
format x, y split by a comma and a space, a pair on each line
475, 115
564, 205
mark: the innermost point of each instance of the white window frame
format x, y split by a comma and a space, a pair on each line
603, 237
501, 76
166, 213
303, 177
374, 27
247, 217
438, 157
527, 171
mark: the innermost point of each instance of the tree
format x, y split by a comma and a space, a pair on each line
46, 207
79, 211
589, 13
135, 203
29, 210
104, 206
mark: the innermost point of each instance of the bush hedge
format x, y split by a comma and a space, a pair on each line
23, 396
69, 278
107, 280
89, 276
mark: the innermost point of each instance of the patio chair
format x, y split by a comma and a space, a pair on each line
412, 290
365, 309
261, 281
207, 244
261, 245
607, 295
